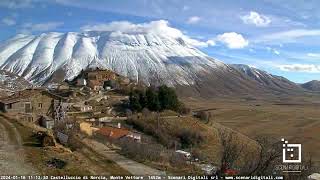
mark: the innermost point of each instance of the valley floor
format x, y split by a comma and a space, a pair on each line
296, 119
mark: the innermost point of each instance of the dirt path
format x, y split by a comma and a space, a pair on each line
131, 166
11, 152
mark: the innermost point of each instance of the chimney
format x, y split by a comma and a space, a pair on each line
119, 125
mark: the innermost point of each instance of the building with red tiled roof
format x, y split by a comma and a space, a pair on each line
116, 133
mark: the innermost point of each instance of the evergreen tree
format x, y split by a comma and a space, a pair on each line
168, 98
134, 101
142, 98
152, 99
164, 98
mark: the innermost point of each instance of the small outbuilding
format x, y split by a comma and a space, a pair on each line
46, 122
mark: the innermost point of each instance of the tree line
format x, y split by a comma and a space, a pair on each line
155, 99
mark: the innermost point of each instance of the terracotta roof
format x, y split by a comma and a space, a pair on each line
112, 132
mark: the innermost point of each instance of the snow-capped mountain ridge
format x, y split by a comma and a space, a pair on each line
266, 79
144, 56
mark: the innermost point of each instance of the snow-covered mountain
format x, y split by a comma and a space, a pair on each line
146, 57
143, 56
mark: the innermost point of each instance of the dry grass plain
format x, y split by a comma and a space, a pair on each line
296, 119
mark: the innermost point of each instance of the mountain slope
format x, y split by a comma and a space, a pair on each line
312, 85
266, 79
139, 56
148, 57
11, 82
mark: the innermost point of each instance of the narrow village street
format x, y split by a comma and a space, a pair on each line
135, 168
11, 151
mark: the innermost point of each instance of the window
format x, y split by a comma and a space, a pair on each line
30, 119
40, 105
9, 106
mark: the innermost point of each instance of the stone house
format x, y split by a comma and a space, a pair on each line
29, 104
99, 79
95, 78
46, 122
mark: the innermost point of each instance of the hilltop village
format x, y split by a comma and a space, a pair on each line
104, 110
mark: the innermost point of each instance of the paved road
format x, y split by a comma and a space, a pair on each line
11, 152
131, 166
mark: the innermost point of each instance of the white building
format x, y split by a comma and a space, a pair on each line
184, 154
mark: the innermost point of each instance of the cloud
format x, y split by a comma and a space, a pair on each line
233, 40
314, 55
309, 68
16, 4
160, 27
8, 21
275, 51
211, 42
256, 19
40, 27
288, 36
193, 20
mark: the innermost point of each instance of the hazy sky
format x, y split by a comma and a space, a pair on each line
281, 37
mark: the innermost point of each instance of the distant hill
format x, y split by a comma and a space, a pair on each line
266, 79
312, 85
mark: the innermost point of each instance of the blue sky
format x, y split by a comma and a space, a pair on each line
281, 37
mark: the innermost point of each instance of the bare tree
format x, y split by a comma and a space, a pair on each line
269, 155
231, 149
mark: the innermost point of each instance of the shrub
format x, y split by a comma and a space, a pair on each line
183, 109
190, 138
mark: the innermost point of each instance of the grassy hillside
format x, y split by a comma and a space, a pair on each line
203, 140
